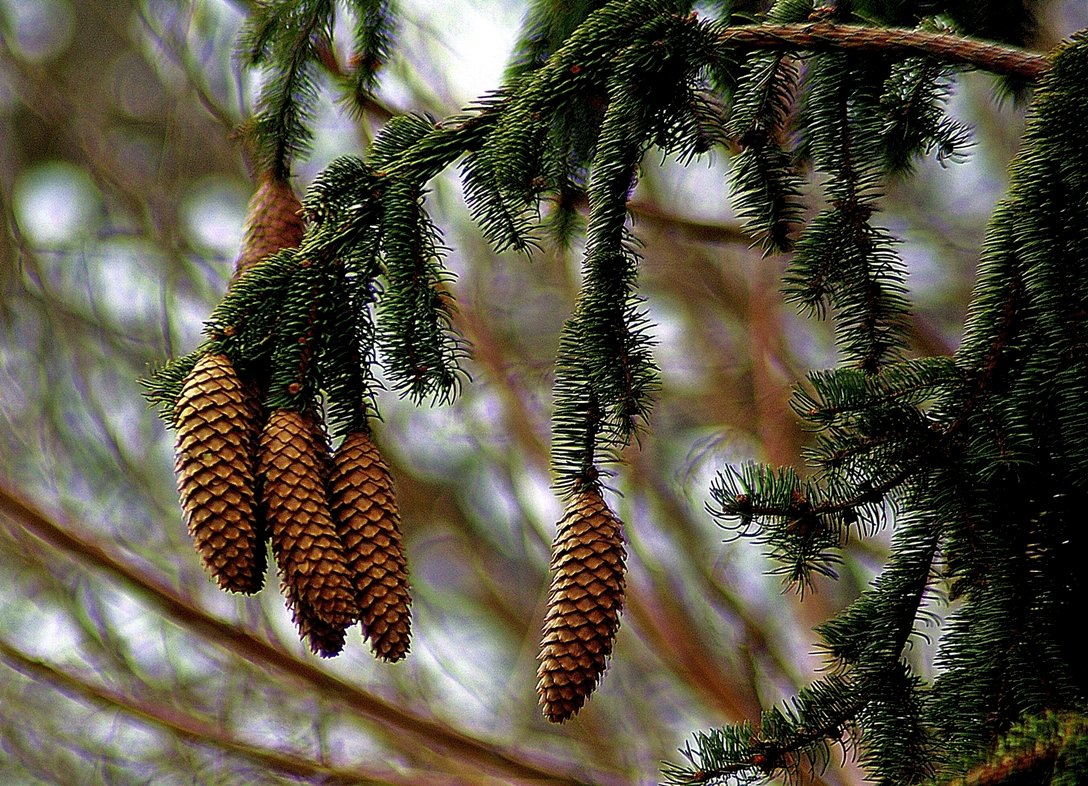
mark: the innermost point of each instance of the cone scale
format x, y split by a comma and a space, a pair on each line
214, 463
367, 519
323, 639
304, 540
584, 605
273, 222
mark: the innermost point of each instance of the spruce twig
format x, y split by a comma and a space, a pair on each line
826, 36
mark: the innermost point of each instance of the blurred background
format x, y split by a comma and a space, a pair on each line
122, 197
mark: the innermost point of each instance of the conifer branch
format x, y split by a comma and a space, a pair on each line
784, 740
826, 36
1023, 766
1043, 749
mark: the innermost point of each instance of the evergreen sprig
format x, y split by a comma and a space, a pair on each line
915, 123
291, 40
789, 740
977, 462
283, 37
605, 374
372, 43
981, 460
420, 349
765, 186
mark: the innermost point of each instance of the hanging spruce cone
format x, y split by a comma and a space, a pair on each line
365, 510
304, 540
584, 605
273, 222
322, 638
215, 420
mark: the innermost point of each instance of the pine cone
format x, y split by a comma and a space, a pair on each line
304, 540
273, 222
322, 638
365, 510
214, 464
584, 605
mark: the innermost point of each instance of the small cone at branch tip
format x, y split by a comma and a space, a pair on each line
304, 540
584, 605
365, 510
273, 222
214, 463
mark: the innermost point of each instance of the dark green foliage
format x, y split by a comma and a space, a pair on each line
845, 262
371, 45
505, 223
1050, 748
605, 374
297, 340
545, 137
420, 349
915, 124
283, 36
399, 135
981, 465
289, 39
347, 362
1019, 549
787, 739
977, 462
243, 324
766, 187
842, 260
548, 25
791, 11
788, 514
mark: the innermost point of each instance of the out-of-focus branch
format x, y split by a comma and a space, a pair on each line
196, 731
181, 58
690, 229
433, 735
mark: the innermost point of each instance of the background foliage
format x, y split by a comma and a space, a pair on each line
123, 189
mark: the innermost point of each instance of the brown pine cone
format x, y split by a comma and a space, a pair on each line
215, 474
365, 510
273, 222
584, 605
304, 540
322, 638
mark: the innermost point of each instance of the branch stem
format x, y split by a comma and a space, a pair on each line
823, 36
487, 756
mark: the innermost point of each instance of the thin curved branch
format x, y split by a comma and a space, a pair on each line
465, 131
487, 756
823, 36
192, 729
